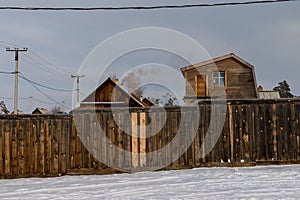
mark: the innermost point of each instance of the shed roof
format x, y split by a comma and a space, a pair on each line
41, 111
269, 95
148, 102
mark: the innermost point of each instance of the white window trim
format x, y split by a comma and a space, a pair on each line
213, 78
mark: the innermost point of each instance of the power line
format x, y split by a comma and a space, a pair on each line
43, 101
26, 98
38, 61
43, 93
10, 98
44, 86
82, 93
7, 44
49, 65
142, 7
35, 64
2, 72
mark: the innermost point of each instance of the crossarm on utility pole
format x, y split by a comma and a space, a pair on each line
78, 91
16, 50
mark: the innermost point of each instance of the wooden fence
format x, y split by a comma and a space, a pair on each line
254, 131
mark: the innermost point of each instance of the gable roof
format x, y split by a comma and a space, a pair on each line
116, 86
217, 59
41, 111
133, 96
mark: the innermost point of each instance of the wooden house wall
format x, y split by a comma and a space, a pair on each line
240, 83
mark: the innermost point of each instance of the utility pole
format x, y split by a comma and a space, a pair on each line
77, 77
16, 50
30, 103
63, 105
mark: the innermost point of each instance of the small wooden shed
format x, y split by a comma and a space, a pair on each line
228, 72
109, 94
40, 111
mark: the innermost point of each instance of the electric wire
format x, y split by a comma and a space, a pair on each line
48, 64
2, 72
144, 7
44, 102
35, 63
10, 98
6, 44
44, 86
43, 93
26, 98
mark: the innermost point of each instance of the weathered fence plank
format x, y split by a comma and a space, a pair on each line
134, 135
297, 129
231, 133
274, 131
154, 139
291, 133
20, 136
42, 149
142, 141
120, 141
2, 145
7, 148
14, 152
127, 141
65, 146
72, 146
226, 137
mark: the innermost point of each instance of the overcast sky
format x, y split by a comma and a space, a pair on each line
267, 36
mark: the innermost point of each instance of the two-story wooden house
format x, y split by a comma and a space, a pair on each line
211, 78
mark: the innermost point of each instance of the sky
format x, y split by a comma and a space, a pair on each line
60, 42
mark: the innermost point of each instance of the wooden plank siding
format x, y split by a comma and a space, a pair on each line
106, 94
240, 80
254, 132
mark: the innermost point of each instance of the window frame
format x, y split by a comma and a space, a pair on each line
225, 78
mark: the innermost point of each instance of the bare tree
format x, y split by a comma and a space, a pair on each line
56, 110
169, 99
3, 108
156, 101
132, 83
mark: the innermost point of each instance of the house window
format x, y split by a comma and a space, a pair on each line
219, 78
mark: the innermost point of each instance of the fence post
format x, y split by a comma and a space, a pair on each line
231, 133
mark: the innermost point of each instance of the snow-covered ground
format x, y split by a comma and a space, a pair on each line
266, 182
